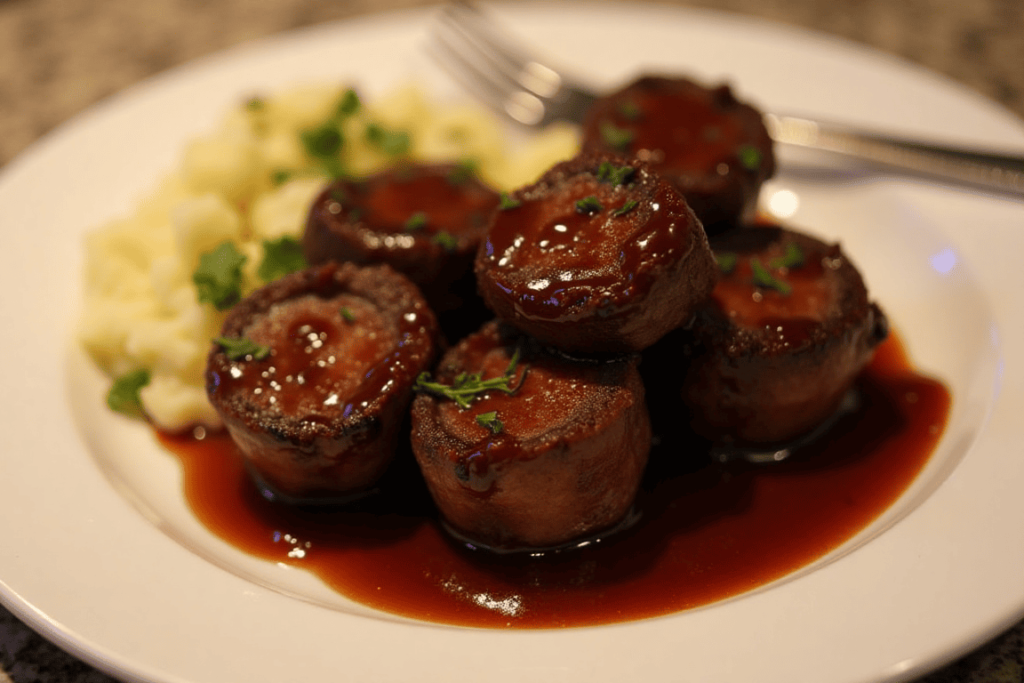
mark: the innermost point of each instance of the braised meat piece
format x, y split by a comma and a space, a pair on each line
787, 330
713, 147
543, 451
600, 255
313, 377
425, 221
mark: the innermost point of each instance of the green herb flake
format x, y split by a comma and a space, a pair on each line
491, 421
445, 240
726, 261
255, 104
416, 222
750, 157
792, 258
241, 348
391, 142
347, 315
625, 208
616, 175
281, 176
588, 205
614, 136
280, 257
348, 104
218, 278
629, 110
322, 142
463, 172
506, 203
764, 278
467, 387
123, 396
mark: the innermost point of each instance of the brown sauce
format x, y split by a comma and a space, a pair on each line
706, 531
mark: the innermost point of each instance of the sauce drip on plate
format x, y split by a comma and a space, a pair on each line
707, 531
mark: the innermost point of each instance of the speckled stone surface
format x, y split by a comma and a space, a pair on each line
59, 56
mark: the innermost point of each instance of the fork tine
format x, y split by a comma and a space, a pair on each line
504, 55
471, 47
490, 76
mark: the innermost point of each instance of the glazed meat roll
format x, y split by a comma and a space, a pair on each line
527, 450
600, 255
425, 221
313, 376
713, 147
787, 330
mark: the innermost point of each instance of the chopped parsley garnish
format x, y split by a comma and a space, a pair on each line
347, 315
445, 240
764, 278
726, 261
616, 175
255, 104
123, 396
491, 421
792, 258
322, 142
629, 110
467, 387
415, 222
280, 176
391, 142
281, 257
613, 136
625, 208
588, 205
218, 278
348, 104
507, 202
463, 172
240, 348
750, 157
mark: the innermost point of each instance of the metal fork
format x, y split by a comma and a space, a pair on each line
505, 76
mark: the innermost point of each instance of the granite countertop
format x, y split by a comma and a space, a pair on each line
59, 56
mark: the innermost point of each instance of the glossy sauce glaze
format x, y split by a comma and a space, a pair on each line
706, 532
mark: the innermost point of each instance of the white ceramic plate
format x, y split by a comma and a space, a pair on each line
101, 554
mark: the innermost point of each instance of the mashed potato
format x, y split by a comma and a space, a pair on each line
249, 182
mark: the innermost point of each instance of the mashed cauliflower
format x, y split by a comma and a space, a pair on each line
250, 182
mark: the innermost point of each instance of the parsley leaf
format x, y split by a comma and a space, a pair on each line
240, 348
123, 396
507, 202
322, 142
792, 258
416, 222
764, 278
726, 261
445, 240
466, 387
491, 421
463, 172
280, 257
616, 175
625, 208
750, 157
588, 205
615, 137
348, 104
218, 278
391, 142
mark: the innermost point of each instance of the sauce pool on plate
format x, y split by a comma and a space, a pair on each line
706, 530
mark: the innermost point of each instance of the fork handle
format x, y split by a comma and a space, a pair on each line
996, 172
